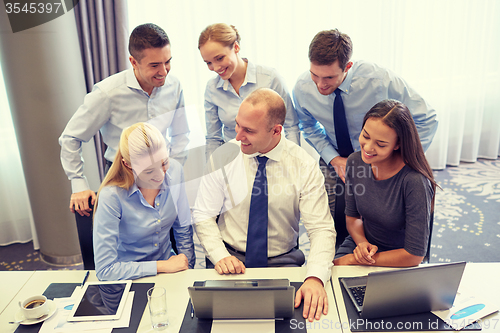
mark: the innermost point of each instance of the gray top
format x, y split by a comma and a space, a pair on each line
395, 211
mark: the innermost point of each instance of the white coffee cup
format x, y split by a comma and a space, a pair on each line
34, 307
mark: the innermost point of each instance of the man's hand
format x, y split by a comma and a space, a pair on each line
80, 202
173, 264
230, 265
315, 299
339, 163
364, 253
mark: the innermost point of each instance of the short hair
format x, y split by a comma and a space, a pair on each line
329, 46
219, 32
276, 109
146, 36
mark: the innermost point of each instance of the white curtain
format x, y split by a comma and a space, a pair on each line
16, 220
448, 50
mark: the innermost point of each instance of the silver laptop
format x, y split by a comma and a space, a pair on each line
405, 291
243, 299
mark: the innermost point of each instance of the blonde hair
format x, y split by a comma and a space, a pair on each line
219, 32
136, 141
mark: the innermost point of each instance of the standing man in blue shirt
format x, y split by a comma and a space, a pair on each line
143, 93
332, 81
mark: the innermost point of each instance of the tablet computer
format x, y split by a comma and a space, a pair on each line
103, 300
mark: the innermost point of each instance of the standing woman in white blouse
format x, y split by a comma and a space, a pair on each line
219, 45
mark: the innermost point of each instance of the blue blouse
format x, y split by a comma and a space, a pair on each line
130, 235
222, 104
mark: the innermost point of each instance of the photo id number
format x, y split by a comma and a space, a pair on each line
32, 8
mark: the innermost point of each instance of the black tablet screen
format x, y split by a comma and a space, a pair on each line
100, 300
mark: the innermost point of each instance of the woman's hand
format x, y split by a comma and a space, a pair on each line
173, 264
364, 252
348, 259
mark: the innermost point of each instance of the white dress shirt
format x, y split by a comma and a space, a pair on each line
295, 191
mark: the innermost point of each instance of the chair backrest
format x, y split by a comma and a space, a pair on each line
339, 213
84, 225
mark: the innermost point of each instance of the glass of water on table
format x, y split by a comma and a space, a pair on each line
157, 302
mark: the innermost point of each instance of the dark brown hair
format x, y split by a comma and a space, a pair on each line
397, 116
146, 36
329, 46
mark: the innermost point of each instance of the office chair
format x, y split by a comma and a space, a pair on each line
84, 225
339, 213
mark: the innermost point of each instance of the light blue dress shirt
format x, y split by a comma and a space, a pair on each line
222, 104
130, 235
114, 104
365, 85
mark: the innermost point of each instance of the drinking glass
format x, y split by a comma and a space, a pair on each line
157, 301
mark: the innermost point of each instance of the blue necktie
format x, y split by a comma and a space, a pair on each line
344, 146
256, 251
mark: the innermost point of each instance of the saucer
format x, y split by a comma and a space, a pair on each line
20, 316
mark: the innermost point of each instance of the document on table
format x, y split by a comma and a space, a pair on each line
466, 310
59, 322
243, 326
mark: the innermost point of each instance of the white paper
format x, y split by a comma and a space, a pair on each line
59, 323
466, 310
243, 326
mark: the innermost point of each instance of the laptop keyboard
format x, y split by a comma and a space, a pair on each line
359, 294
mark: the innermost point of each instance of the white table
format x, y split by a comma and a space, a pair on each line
19, 285
178, 297
177, 293
37, 283
477, 276
10, 284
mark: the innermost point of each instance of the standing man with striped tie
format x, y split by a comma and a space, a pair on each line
331, 100
260, 185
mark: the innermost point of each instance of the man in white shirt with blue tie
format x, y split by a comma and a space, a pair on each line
294, 190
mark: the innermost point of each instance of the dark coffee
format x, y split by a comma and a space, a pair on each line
34, 304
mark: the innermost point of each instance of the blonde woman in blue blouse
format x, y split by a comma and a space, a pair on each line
237, 77
141, 198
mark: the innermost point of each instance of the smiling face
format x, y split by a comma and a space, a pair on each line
152, 70
254, 131
152, 177
328, 77
378, 142
221, 59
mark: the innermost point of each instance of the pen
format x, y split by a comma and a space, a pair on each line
85, 278
192, 310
